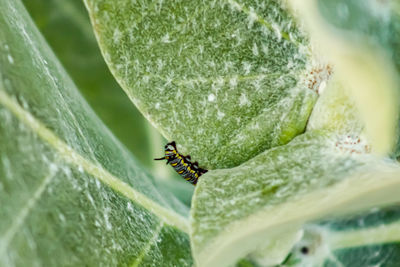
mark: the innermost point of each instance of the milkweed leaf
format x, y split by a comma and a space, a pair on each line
240, 210
361, 39
225, 79
71, 194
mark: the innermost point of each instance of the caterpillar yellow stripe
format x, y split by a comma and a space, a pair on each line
182, 164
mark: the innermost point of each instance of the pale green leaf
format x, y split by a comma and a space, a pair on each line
361, 39
367, 239
335, 110
66, 27
225, 79
236, 212
70, 193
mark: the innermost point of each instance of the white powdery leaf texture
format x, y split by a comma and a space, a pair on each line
70, 193
262, 204
225, 79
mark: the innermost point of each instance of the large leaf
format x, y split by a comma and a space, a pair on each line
70, 193
361, 38
225, 79
263, 203
67, 29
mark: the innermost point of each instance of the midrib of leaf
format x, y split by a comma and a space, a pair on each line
70, 155
356, 238
380, 187
146, 249
259, 19
24, 212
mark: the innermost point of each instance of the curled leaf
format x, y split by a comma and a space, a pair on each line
361, 39
236, 211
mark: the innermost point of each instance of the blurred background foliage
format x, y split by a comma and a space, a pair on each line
66, 26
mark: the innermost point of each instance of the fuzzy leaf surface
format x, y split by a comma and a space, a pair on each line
236, 212
70, 193
67, 29
225, 79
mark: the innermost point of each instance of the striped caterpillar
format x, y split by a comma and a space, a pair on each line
182, 164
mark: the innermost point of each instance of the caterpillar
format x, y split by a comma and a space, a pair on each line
182, 164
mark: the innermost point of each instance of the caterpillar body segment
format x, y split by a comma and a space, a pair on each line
182, 164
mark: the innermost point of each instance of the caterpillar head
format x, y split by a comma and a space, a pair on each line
170, 148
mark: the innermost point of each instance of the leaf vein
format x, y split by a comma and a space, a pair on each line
24, 212
71, 156
146, 249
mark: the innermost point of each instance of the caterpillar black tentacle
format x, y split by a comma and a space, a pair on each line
182, 164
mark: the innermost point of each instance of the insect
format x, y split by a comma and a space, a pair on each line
182, 164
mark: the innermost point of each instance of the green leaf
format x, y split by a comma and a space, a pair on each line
225, 79
70, 193
239, 212
67, 29
335, 111
361, 39
367, 239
